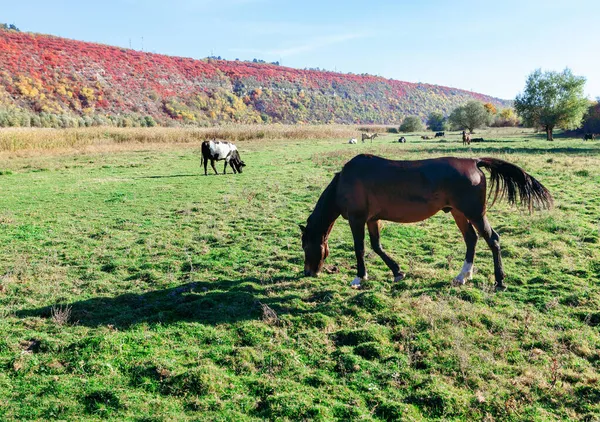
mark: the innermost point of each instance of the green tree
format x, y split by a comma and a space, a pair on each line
470, 116
552, 99
411, 124
591, 121
436, 121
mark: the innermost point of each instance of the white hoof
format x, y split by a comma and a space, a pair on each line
465, 274
458, 281
356, 282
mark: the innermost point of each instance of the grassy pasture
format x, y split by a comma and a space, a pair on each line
134, 288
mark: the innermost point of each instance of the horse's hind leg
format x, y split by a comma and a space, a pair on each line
470, 237
358, 233
374, 234
493, 240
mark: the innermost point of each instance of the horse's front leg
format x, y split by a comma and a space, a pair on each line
357, 226
225, 168
212, 164
374, 234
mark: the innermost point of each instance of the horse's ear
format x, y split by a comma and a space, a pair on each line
302, 228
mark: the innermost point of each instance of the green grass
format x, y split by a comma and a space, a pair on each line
134, 288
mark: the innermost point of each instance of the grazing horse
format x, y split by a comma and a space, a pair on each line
425, 137
371, 188
589, 137
466, 138
367, 136
220, 150
440, 135
352, 141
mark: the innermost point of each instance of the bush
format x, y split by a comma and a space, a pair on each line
411, 124
591, 121
506, 118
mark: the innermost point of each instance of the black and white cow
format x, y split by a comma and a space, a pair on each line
221, 150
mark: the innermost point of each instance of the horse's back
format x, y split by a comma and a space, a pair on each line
406, 191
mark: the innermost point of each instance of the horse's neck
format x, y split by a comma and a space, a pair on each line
321, 221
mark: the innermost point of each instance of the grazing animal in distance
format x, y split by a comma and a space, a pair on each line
440, 134
402, 140
367, 136
589, 137
221, 150
477, 140
352, 141
425, 137
371, 188
466, 138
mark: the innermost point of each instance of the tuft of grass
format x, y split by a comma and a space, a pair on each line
61, 315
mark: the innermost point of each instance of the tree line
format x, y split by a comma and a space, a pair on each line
550, 100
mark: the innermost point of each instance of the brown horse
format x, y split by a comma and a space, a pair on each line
371, 137
466, 138
371, 188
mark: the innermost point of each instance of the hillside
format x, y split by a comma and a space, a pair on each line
52, 81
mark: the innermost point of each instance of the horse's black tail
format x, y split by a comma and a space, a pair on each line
514, 183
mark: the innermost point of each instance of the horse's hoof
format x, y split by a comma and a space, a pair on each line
356, 282
459, 281
399, 277
499, 287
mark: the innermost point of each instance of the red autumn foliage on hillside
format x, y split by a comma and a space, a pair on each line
50, 75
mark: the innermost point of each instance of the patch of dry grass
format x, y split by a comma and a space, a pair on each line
35, 140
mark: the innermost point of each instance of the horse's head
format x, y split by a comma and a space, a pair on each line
316, 250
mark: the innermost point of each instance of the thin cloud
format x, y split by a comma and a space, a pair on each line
312, 45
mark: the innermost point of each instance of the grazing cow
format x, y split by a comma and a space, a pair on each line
466, 138
402, 140
352, 141
440, 134
477, 140
589, 136
367, 136
425, 137
221, 150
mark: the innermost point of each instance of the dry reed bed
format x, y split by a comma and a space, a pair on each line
22, 139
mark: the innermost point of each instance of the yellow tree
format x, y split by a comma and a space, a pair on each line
490, 108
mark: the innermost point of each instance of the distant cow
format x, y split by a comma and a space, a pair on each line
425, 137
221, 150
367, 136
477, 140
466, 138
402, 140
440, 134
352, 141
589, 137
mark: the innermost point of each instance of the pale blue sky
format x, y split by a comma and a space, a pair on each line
482, 46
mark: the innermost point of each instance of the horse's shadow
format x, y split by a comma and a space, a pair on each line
168, 176
209, 303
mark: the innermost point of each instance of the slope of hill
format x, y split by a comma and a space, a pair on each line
50, 81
